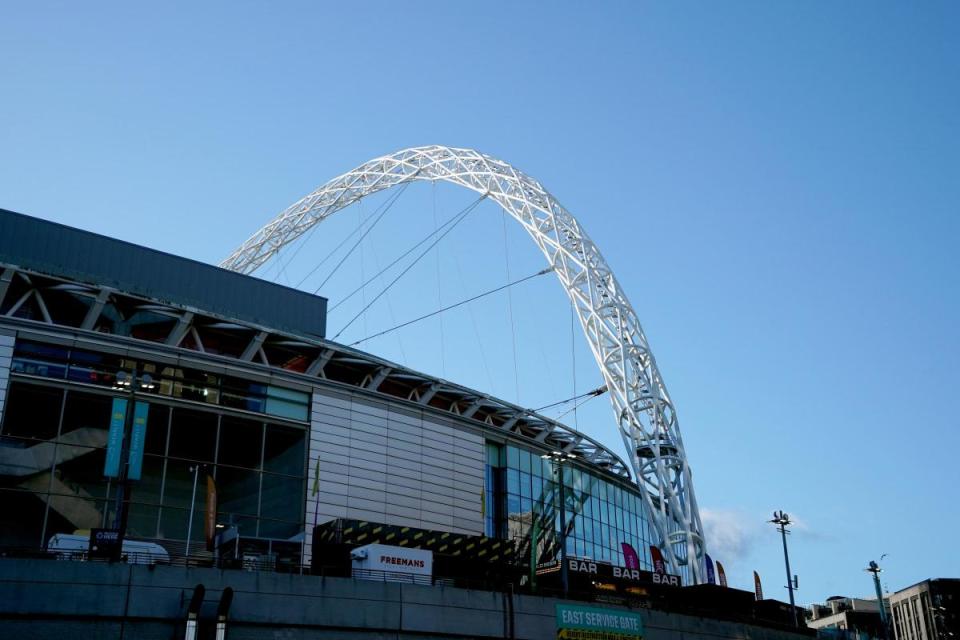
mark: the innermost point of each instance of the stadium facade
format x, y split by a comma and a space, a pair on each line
295, 430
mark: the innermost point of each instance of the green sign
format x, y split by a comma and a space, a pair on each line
577, 622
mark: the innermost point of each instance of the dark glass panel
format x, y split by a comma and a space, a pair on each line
86, 419
240, 442
157, 424
281, 499
32, 412
237, 491
80, 472
193, 435
142, 520
284, 450
24, 530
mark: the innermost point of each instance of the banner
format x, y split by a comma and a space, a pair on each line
118, 416
138, 438
630, 558
659, 566
210, 521
711, 576
756, 586
721, 574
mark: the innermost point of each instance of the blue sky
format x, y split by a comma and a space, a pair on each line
776, 185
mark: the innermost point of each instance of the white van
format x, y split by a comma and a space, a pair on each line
73, 547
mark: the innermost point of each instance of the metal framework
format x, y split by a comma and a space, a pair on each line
645, 415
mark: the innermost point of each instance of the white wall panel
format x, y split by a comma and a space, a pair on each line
383, 464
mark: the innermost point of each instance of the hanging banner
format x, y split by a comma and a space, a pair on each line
210, 521
137, 439
711, 576
118, 416
630, 558
721, 574
756, 586
659, 566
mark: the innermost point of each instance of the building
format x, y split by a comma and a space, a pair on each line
927, 610
843, 617
294, 430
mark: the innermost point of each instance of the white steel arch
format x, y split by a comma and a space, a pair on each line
644, 412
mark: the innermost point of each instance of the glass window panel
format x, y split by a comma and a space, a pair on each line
31, 412
37, 359
524, 457
513, 504
142, 520
288, 403
513, 457
193, 435
284, 450
81, 473
281, 499
157, 423
525, 485
237, 492
513, 482
89, 415
241, 442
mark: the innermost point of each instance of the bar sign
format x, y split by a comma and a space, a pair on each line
118, 415
137, 439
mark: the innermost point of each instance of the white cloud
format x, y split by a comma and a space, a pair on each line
730, 534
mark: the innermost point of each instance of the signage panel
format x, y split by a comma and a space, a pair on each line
118, 416
104, 543
604, 570
577, 622
137, 439
387, 558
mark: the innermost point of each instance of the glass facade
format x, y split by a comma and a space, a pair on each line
601, 513
53, 446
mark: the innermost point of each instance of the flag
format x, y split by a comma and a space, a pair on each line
756, 586
483, 503
711, 576
630, 558
316, 479
659, 566
210, 521
721, 574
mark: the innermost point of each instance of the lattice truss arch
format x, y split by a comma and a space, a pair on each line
645, 415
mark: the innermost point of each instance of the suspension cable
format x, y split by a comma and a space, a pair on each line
513, 327
388, 204
454, 306
599, 391
453, 220
588, 394
462, 216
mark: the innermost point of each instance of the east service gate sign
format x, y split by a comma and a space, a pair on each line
575, 622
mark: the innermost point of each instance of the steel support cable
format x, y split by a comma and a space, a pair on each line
590, 396
386, 207
595, 392
329, 255
453, 220
513, 326
460, 218
454, 306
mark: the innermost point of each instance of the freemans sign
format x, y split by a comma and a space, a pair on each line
576, 622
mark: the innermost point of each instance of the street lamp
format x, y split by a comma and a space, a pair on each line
875, 569
128, 382
782, 519
559, 458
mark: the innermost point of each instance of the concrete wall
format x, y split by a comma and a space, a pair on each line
386, 463
50, 599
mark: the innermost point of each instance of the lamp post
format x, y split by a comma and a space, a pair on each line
782, 519
875, 569
126, 381
559, 458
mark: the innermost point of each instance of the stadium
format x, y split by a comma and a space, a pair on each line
203, 414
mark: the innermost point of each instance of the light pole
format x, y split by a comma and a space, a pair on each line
193, 500
559, 458
781, 519
875, 569
126, 381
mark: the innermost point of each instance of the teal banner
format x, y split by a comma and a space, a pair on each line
577, 622
118, 415
137, 439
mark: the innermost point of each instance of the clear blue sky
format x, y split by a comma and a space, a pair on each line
775, 184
